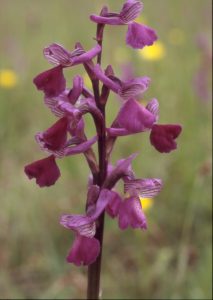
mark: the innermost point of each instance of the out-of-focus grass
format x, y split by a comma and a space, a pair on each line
172, 259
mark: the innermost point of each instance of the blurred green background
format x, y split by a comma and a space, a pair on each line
173, 258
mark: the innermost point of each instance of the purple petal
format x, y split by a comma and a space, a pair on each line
69, 110
103, 200
87, 55
145, 188
163, 137
55, 137
134, 117
113, 207
131, 10
110, 20
80, 148
78, 129
45, 171
113, 132
122, 169
92, 197
139, 36
106, 80
131, 214
51, 82
77, 89
134, 87
153, 107
84, 251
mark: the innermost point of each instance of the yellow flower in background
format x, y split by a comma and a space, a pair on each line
8, 78
87, 81
146, 203
141, 19
155, 52
176, 36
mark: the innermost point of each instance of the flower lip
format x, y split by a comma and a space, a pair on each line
131, 214
79, 254
45, 171
163, 137
139, 36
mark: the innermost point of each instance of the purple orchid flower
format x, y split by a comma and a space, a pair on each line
67, 136
138, 35
84, 227
134, 118
125, 89
54, 140
58, 55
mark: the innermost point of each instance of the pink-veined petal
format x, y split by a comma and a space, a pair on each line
153, 107
131, 10
134, 87
145, 188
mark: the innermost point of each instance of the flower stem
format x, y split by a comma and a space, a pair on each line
94, 270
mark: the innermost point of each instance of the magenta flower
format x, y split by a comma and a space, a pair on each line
163, 137
138, 35
51, 82
85, 228
45, 171
125, 89
58, 55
